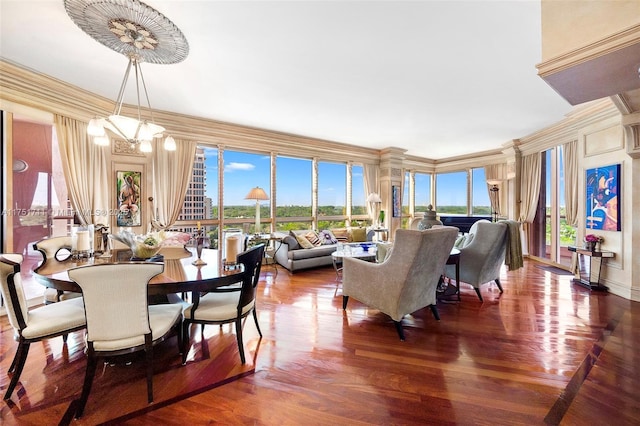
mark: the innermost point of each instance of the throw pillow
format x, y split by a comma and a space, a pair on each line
357, 235
341, 234
312, 237
327, 237
304, 243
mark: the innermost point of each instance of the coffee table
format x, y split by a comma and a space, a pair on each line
354, 251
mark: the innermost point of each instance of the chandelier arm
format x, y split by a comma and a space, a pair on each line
118, 106
136, 66
146, 94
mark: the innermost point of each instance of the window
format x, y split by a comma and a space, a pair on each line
332, 194
242, 172
451, 193
358, 197
293, 180
422, 192
481, 206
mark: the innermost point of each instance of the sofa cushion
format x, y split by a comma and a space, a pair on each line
357, 235
319, 251
313, 238
327, 237
341, 234
304, 243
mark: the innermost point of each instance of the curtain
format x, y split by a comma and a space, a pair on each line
529, 187
570, 160
171, 173
370, 180
85, 170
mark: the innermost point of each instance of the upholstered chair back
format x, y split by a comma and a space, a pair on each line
49, 247
12, 290
406, 281
115, 299
484, 256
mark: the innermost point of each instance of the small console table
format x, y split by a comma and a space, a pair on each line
589, 267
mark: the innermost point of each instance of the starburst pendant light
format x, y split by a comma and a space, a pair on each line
142, 34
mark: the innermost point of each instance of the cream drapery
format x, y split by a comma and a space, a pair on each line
530, 187
85, 169
570, 160
171, 173
370, 180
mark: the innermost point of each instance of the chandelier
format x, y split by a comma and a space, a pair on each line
142, 34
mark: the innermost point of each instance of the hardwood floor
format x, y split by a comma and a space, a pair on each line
544, 351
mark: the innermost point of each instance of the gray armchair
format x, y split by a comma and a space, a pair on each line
406, 281
482, 258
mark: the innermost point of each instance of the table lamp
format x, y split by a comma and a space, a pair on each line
257, 194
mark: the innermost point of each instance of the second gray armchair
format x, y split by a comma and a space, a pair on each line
406, 281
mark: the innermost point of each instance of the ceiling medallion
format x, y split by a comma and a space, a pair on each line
140, 30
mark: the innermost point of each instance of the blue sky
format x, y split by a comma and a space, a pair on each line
244, 171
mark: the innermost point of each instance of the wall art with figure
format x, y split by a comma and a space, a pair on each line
128, 190
603, 198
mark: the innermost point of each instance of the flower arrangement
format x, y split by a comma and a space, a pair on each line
592, 238
142, 246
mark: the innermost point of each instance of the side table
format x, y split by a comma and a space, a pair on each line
589, 267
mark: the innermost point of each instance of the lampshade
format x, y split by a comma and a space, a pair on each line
494, 181
257, 193
374, 198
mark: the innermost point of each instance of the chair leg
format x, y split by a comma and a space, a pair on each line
239, 337
185, 341
148, 350
497, 280
64, 338
345, 300
434, 310
255, 318
16, 367
477, 289
399, 329
90, 372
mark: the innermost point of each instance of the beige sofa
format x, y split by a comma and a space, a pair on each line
291, 254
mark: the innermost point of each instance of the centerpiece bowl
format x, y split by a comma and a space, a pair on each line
143, 247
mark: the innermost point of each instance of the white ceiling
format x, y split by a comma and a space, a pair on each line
437, 78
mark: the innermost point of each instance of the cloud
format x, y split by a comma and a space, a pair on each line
238, 166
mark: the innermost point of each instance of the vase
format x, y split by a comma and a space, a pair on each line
200, 244
590, 245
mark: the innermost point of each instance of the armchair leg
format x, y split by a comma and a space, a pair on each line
477, 289
92, 363
148, 350
239, 337
497, 280
399, 329
345, 300
434, 310
185, 341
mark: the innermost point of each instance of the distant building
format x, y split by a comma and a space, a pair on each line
196, 205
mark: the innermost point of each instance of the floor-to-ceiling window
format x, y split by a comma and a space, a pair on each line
451, 193
480, 204
332, 194
293, 199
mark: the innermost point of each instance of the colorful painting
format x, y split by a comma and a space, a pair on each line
128, 190
603, 198
397, 206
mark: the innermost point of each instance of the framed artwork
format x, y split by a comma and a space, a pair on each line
397, 203
128, 190
603, 198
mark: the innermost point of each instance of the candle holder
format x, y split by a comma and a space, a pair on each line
82, 241
200, 241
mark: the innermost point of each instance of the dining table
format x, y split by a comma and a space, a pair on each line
181, 273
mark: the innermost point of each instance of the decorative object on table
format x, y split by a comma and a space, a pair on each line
494, 197
101, 239
201, 241
82, 241
592, 242
233, 245
142, 34
603, 198
429, 219
143, 247
128, 190
257, 194
381, 217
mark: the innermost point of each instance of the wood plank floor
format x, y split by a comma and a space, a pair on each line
544, 352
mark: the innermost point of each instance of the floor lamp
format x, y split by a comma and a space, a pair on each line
257, 194
494, 198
